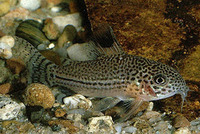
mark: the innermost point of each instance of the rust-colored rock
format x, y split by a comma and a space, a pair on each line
16, 65
73, 7
50, 29
5, 88
2, 34
180, 121
54, 2
21, 127
39, 95
65, 123
52, 56
60, 112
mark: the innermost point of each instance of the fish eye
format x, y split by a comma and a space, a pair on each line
160, 79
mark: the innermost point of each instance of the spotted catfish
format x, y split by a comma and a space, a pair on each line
109, 72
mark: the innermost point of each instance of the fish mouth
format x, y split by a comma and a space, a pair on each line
160, 97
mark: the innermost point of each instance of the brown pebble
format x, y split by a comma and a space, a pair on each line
60, 112
5, 88
16, 65
2, 34
73, 6
39, 95
52, 56
51, 30
54, 2
65, 123
180, 121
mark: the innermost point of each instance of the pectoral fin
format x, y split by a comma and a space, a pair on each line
131, 110
106, 103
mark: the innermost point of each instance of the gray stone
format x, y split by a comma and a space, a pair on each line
195, 122
103, 124
9, 109
130, 129
4, 72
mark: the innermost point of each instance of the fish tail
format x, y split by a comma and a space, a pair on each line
39, 68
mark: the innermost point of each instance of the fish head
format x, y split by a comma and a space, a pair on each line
157, 81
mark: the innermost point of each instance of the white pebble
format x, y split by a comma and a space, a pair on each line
182, 130
5, 50
81, 52
72, 19
30, 4
77, 101
150, 107
56, 9
7, 53
9, 40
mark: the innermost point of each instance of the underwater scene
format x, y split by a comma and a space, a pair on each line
100, 66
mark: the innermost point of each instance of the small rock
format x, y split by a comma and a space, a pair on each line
18, 13
4, 74
9, 40
54, 2
81, 52
52, 56
14, 126
68, 35
103, 124
4, 7
162, 127
16, 65
65, 123
130, 129
180, 121
2, 33
50, 29
39, 95
5, 88
195, 122
60, 112
73, 19
9, 109
30, 4
73, 6
75, 117
195, 126
118, 127
35, 114
182, 130
151, 116
6, 43
77, 101
56, 9
150, 107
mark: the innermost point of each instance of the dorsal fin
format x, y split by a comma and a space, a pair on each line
105, 40
102, 42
